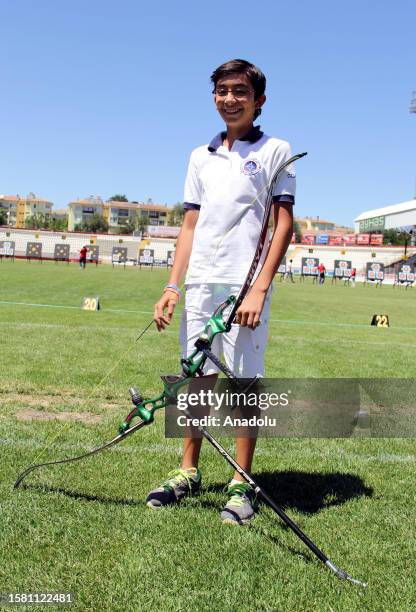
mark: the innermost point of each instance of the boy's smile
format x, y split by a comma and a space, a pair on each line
234, 99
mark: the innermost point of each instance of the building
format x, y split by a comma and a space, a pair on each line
396, 216
117, 214
316, 224
19, 208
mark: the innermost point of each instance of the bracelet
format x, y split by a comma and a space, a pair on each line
174, 288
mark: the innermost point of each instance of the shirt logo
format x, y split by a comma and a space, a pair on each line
251, 167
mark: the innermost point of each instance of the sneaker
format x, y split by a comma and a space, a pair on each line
179, 484
241, 506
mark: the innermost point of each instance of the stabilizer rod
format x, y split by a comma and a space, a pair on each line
343, 575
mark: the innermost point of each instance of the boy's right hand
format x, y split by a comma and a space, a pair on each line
164, 309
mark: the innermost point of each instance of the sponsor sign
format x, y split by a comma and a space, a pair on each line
373, 224
349, 239
375, 271
335, 240
376, 239
363, 239
322, 238
308, 239
342, 268
310, 266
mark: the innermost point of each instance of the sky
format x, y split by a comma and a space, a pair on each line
100, 98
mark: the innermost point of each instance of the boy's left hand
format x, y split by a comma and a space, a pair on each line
248, 315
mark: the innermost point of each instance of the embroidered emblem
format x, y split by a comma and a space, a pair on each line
251, 167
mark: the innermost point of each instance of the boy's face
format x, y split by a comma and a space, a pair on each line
234, 99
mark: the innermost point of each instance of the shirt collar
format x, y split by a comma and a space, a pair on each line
253, 135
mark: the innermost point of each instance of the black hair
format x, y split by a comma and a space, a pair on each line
240, 66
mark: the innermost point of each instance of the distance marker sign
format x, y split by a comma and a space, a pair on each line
91, 303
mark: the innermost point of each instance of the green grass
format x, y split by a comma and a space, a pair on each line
84, 528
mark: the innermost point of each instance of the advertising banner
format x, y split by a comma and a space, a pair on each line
376, 239
308, 239
349, 239
363, 239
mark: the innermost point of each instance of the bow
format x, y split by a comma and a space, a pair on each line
192, 366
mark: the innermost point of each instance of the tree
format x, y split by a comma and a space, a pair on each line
395, 238
58, 225
143, 221
37, 221
96, 223
131, 225
176, 215
297, 230
3, 217
118, 198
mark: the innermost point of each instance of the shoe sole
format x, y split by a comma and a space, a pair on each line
240, 523
153, 507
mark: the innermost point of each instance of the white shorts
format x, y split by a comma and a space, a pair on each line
242, 349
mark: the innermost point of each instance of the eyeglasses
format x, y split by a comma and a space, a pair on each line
239, 93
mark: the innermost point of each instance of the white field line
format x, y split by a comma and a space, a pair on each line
150, 313
163, 448
171, 331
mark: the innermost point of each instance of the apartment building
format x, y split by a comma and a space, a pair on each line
19, 208
116, 213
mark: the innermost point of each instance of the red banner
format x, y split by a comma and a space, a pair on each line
336, 240
349, 239
308, 239
363, 238
376, 239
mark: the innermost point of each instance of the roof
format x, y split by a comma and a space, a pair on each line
18, 198
388, 210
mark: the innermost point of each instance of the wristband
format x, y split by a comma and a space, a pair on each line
174, 288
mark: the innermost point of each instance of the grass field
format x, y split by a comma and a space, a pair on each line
84, 527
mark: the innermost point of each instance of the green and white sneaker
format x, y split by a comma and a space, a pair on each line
241, 506
179, 484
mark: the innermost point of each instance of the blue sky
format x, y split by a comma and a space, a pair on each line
106, 97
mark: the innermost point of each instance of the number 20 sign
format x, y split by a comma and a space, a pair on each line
91, 303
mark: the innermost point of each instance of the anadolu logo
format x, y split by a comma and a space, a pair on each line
251, 167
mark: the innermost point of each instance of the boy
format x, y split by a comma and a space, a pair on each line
225, 193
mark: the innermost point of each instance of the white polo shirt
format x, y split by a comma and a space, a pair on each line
229, 188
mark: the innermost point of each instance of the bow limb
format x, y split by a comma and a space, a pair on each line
98, 449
